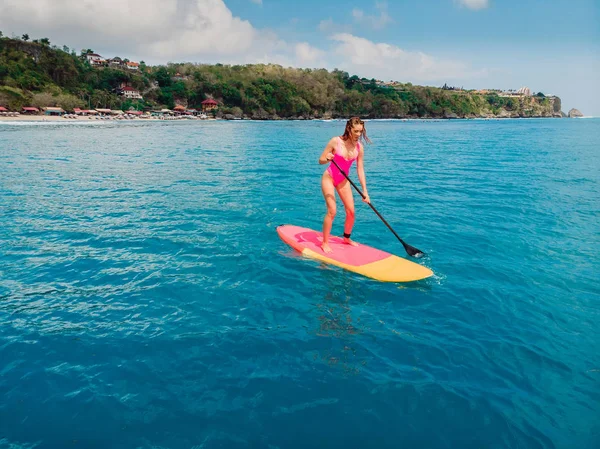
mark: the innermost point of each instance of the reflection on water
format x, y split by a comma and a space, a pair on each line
337, 322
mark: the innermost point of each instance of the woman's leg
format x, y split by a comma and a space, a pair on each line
329, 195
345, 193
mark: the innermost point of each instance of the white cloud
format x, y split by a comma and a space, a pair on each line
159, 31
389, 62
308, 55
329, 26
326, 25
474, 4
153, 30
376, 22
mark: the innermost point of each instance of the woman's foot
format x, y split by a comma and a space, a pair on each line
347, 241
326, 248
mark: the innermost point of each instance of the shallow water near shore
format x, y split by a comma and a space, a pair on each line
147, 301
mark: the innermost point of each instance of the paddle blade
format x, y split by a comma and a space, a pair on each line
412, 251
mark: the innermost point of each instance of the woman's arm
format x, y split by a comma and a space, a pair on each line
360, 167
327, 154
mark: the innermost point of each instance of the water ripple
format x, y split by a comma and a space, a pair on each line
147, 301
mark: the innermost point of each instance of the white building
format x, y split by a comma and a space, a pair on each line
130, 92
524, 91
94, 59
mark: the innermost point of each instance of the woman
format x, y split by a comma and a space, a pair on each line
344, 151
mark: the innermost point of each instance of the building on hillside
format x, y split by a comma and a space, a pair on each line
133, 65
95, 59
115, 62
130, 92
522, 92
383, 84
209, 105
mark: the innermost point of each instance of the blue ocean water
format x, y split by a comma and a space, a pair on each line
146, 300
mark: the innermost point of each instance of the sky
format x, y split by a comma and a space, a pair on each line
550, 46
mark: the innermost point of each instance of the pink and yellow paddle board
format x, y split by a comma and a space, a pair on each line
361, 259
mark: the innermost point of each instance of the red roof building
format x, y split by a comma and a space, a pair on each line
209, 105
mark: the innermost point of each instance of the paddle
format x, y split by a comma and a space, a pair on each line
411, 250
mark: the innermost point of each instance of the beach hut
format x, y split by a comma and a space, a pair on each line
209, 105
103, 111
30, 110
3, 109
54, 111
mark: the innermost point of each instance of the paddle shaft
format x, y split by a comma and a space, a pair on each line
409, 249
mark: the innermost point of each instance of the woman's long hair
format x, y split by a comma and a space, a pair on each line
349, 124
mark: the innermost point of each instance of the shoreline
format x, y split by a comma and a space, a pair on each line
93, 119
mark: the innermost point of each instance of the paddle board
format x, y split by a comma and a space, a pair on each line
361, 259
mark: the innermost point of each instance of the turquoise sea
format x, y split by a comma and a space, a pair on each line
146, 300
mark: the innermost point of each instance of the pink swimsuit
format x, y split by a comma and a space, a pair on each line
344, 163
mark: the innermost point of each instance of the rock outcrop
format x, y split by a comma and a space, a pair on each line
573, 113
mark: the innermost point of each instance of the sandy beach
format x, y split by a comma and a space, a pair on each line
50, 118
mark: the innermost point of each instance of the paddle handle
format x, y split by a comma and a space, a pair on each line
409, 249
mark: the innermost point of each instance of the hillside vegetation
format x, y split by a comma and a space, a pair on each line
38, 74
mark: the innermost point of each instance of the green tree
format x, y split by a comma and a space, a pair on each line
69, 102
25, 37
163, 77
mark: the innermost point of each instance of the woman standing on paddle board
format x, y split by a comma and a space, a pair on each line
344, 150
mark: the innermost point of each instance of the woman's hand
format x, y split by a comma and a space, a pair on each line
366, 199
328, 158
